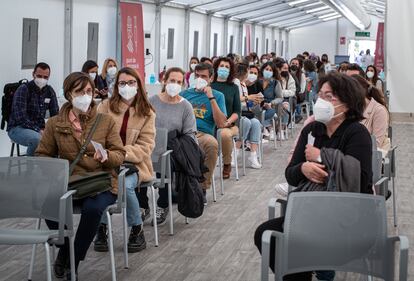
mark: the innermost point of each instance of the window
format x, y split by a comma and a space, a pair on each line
275, 50
267, 46
257, 45
29, 43
195, 45
231, 44
215, 44
170, 49
281, 50
93, 31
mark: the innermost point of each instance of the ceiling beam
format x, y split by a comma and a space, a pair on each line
259, 8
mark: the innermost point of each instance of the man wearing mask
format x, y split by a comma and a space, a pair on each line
210, 112
30, 103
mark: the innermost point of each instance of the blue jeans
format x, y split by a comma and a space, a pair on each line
252, 130
133, 211
92, 209
25, 137
269, 114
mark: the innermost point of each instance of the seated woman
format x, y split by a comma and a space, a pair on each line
338, 112
252, 129
223, 82
90, 67
135, 122
272, 92
190, 74
62, 138
376, 115
108, 75
173, 113
372, 77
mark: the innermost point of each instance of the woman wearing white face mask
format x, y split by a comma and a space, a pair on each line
90, 67
135, 121
338, 112
108, 75
173, 113
190, 74
63, 136
372, 77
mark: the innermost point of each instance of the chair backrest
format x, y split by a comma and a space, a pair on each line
334, 231
31, 187
391, 156
161, 142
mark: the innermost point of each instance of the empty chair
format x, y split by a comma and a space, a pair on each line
45, 197
350, 237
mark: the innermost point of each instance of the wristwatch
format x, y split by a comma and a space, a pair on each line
212, 98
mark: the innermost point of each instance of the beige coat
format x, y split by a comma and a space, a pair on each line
377, 122
58, 140
140, 138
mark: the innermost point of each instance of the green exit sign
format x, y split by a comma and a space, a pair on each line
362, 34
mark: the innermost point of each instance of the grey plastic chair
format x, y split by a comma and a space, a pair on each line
335, 231
27, 190
161, 162
220, 159
390, 173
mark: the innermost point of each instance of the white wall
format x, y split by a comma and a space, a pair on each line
399, 50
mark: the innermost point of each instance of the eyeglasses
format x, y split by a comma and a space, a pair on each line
328, 96
88, 92
129, 83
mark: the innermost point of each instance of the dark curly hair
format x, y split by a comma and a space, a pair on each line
216, 65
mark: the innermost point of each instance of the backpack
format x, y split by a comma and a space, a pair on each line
7, 100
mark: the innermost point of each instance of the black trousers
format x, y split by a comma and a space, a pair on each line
277, 225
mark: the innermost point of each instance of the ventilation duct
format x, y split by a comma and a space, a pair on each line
352, 10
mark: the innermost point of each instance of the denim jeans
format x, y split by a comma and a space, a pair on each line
133, 211
25, 137
92, 209
269, 114
252, 130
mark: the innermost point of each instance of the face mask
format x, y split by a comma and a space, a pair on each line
40, 82
294, 67
82, 102
267, 74
92, 75
173, 89
252, 77
284, 74
370, 74
111, 71
251, 63
223, 73
128, 92
324, 111
264, 61
193, 65
199, 84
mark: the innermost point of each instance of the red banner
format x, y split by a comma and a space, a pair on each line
379, 49
248, 39
132, 37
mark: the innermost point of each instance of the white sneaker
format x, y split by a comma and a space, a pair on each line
254, 163
272, 135
282, 189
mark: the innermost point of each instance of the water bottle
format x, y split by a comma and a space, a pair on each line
152, 78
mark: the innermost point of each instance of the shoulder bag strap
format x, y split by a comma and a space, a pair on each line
85, 144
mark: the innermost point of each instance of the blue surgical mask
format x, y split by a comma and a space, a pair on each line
267, 74
223, 73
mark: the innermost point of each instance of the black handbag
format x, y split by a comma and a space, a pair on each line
248, 114
88, 184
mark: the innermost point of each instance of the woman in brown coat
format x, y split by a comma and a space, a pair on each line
63, 137
135, 121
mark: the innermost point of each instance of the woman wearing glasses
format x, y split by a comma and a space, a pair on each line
63, 136
135, 120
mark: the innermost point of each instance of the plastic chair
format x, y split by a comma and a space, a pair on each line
335, 231
220, 159
45, 197
13, 145
390, 173
161, 162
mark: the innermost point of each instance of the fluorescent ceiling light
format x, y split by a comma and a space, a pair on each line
312, 4
317, 9
348, 13
331, 18
328, 15
293, 3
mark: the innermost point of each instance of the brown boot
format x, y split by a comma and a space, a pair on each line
226, 171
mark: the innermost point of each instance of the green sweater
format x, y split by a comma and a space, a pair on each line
232, 96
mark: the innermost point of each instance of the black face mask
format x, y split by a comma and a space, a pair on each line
284, 74
294, 68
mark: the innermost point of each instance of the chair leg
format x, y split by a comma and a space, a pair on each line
12, 150
72, 257
235, 160
274, 132
394, 206
48, 266
111, 246
170, 209
213, 186
154, 215
32, 259
243, 157
221, 171
186, 220
125, 234
18, 150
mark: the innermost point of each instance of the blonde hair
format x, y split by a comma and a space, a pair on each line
105, 67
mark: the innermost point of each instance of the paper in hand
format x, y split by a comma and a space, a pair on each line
99, 147
311, 139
